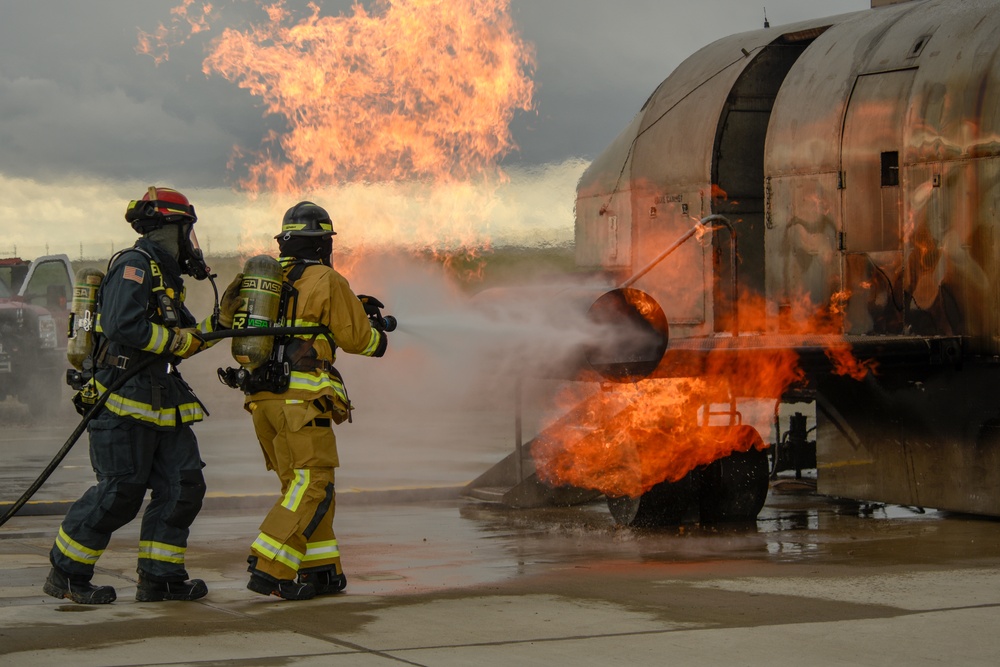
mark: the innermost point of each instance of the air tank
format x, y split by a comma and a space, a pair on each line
260, 295
83, 315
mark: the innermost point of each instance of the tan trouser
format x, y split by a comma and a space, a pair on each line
297, 533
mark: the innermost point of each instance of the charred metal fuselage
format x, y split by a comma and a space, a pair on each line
857, 157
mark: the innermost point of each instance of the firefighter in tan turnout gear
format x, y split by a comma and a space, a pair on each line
295, 556
142, 438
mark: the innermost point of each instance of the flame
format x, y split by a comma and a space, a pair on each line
183, 24
394, 116
418, 89
626, 438
623, 439
831, 321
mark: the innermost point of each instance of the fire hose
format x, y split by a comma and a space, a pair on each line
131, 372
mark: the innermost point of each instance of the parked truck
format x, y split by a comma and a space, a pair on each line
34, 310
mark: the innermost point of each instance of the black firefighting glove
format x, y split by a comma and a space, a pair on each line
230, 302
185, 343
373, 307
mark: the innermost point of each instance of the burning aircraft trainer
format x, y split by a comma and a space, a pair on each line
797, 214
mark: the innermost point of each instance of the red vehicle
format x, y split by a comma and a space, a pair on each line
34, 310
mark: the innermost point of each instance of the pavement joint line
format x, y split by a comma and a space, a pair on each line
221, 500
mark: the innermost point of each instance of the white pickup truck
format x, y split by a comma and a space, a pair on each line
35, 299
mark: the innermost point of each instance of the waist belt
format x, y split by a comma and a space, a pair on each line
324, 422
121, 362
115, 361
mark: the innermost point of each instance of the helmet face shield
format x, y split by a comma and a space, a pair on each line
192, 238
191, 259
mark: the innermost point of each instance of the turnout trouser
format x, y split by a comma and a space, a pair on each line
299, 445
128, 459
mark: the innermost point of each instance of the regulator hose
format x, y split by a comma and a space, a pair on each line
125, 377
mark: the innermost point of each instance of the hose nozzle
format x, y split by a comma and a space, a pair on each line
373, 309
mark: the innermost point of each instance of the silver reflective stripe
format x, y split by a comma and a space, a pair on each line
76, 551
293, 498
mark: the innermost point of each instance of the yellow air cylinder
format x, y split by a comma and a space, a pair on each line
83, 316
260, 293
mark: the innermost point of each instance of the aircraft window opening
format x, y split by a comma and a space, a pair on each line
890, 169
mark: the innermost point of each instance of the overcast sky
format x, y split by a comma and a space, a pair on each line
80, 108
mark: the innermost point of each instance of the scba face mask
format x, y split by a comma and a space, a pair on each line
190, 257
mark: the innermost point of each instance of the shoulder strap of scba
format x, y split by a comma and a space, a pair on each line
161, 306
288, 291
298, 268
288, 305
164, 297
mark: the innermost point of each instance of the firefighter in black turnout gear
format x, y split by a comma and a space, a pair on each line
142, 437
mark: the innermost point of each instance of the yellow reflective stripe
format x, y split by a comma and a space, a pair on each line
372, 344
181, 349
304, 323
159, 335
142, 411
321, 551
206, 325
76, 551
126, 407
316, 383
324, 225
168, 553
274, 550
190, 412
293, 497
307, 323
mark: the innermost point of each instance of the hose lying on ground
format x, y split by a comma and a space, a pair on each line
125, 377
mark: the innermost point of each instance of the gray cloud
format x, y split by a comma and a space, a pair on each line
75, 98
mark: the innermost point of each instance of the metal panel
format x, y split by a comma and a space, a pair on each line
802, 256
873, 131
604, 235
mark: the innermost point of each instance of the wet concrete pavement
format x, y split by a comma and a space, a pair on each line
435, 579
451, 582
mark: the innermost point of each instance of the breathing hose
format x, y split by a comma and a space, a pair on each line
128, 375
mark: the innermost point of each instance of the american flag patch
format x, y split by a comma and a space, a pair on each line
134, 274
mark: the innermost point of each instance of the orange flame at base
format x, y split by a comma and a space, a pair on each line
624, 439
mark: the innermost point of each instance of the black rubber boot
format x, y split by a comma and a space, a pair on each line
326, 582
60, 585
158, 591
286, 589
